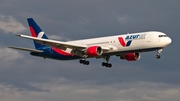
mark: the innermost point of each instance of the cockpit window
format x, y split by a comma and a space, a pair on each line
163, 36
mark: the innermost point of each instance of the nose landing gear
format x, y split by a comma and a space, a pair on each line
158, 56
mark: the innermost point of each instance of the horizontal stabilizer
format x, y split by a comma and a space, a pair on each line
26, 49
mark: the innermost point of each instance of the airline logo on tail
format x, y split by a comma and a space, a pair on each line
36, 31
40, 35
33, 33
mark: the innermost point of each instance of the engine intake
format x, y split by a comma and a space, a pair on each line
131, 56
94, 51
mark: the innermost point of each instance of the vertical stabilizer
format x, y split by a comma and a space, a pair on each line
36, 31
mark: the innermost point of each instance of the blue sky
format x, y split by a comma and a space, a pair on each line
24, 77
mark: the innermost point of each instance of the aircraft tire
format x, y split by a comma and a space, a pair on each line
158, 56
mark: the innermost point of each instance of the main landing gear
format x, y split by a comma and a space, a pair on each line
108, 65
84, 62
158, 56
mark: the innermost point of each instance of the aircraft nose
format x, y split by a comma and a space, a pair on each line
169, 40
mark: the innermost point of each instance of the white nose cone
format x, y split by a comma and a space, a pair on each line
169, 40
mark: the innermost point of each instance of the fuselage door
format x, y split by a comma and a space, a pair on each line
149, 38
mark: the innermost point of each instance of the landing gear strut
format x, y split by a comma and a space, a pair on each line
84, 62
158, 56
108, 65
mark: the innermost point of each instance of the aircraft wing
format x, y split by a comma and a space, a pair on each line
26, 49
58, 44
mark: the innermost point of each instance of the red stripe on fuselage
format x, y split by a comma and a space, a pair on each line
122, 42
59, 51
33, 33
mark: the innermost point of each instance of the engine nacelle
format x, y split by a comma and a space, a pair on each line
94, 51
131, 56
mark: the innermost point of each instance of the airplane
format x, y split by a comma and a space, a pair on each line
128, 46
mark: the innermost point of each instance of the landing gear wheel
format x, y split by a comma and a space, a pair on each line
87, 62
84, 62
103, 64
80, 61
108, 65
158, 56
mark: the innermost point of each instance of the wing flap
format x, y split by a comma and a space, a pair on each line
26, 49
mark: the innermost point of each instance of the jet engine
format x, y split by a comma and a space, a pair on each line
131, 56
94, 51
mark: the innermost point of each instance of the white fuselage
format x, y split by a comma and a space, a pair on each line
143, 41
